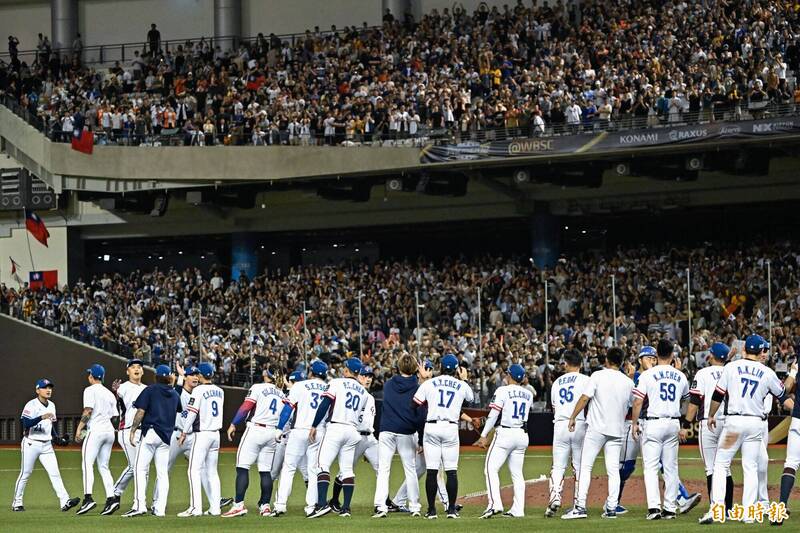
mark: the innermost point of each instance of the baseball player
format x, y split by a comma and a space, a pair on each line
610, 393
664, 387
155, 411
205, 403
280, 449
701, 391
341, 436
444, 395
39, 433
304, 398
564, 394
511, 404
745, 383
126, 394
265, 401
99, 407
367, 447
792, 462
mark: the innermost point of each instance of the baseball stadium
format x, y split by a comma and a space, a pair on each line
401, 264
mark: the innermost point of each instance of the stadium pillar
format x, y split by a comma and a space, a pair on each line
545, 241
399, 8
243, 255
227, 23
63, 24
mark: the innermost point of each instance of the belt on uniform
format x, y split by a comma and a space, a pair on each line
512, 427
440, 422
662, 418
762, 417
177, 429
260, 425
365, 433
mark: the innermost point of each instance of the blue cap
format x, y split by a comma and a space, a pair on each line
319, 369
297, 376
755, 344
206, 370
720, 351
191, 371
648, 351
353, 365
163, 370
43, 383
135, 362
97, 371
517, 372
427, 364
366, 370
270, 374
449, 362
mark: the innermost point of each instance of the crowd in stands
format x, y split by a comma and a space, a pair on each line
156, 315
523, 69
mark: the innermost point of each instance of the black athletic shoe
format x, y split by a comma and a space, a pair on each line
459, 507
431, 514
336, 507
344, 512
225, 502
112, 504
667, 515
392, 507
18, 509
320, 510
87, 505
72, 502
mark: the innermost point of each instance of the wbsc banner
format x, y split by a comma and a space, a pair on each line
605, 142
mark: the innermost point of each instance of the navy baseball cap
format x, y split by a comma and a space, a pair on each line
191, 371
517, 372
269, 373
353, 365
297, 376
755, 344
44, 383
97, 371
206, 370
648, 351
720, 350
163, 370
366, 370
427, 364
135, 362
449, 362
320, 369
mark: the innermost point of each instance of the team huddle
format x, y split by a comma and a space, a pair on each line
306, 422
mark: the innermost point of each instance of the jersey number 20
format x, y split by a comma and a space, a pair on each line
352, 401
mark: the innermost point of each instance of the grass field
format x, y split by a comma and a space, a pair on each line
42, 507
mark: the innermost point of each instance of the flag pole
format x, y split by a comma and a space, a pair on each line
546, 326
419, 332
480, 342
250, 318
305, 328
360, 334
614, 307
200, 331
769, 303
689, 310
28, 237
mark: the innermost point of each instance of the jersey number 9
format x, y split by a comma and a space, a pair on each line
214, 409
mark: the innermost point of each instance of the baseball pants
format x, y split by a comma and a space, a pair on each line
30, 451
630, 446
203, 460
97, 448
123, 438
743, 432
509, 444
151, 448
406, 448
793, 446
175, 450
297, 449
401, 497
280, 454
440, 446
709, 442
565, 444
763, 467
340, 440
611, 446
257, 445
660, 450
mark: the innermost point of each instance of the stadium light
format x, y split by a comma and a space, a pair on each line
521, 176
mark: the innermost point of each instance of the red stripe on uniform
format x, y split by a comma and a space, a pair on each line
720, 390
639, 394
192, 409
493, 406
419, 402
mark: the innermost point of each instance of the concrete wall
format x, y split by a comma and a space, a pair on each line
24, 20
283, 16
52, 257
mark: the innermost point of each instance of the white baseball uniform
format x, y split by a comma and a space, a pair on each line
401, 497
746, 384
444, 396
513, 404
304, 397
705, 381
99, 438
126, 395
664, 387
258, 441
205, 403
610, 393
763, 459
368, 445
563, 396
342, 435
37, 444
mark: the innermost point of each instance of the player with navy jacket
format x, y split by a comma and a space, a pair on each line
793, 444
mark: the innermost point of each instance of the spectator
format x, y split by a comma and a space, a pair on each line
154, 41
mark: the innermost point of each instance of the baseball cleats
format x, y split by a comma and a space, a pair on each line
488, 513
224, 502
414, 514
574, 514
189, 513
380, 513
87, 505
336, 507
508, 514
668, 515
392, 507
608, 513
345, 512
431, 514
112, 504
707, 518
18, 509
134, 512
453, 514
621, 510
264, 509
689, 503
238, 509
654, 514
320, 510
551, 510
72, 502
276, 513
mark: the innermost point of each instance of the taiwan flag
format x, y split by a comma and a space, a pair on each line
83, 140
47, 279
36, 227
